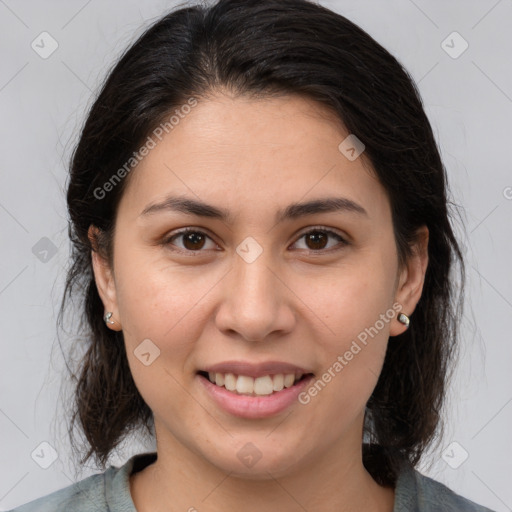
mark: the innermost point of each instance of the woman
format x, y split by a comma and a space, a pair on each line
263, 247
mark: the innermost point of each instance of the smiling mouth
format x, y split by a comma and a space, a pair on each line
265, 385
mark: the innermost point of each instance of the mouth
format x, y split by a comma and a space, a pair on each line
272, 388
265, 385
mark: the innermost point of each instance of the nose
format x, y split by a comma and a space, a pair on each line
257, 303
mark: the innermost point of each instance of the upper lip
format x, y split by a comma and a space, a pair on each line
255, 370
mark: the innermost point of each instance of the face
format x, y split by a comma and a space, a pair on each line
315, 289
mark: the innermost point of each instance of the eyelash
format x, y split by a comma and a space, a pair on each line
168, 240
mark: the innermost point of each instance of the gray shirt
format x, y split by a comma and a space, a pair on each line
110, 492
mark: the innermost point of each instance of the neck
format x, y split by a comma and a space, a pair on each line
179, 480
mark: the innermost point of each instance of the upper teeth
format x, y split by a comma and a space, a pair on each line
244, 384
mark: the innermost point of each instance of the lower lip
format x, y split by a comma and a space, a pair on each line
253, 407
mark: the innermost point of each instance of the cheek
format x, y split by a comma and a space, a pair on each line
355, 306
161, 312
153, 294
351, 364
347, 300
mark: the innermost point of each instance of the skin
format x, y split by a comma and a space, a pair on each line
254, 157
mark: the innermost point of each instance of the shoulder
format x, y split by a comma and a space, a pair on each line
420, 493
84, 496
103, 492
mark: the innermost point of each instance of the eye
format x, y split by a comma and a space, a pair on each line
193, 240
318, 237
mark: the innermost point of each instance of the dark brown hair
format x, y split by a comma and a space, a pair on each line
265, 48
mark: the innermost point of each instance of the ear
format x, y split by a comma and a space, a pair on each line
411, 280
104, 278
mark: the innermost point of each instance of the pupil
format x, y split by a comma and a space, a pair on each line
313, 237
193, 238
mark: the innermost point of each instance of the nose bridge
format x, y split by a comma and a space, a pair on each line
254, 303
252, 276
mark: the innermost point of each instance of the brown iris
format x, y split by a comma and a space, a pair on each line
317, 237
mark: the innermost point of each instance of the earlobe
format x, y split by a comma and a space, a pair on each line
105, 283
411, 282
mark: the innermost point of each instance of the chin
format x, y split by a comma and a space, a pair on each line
257, 459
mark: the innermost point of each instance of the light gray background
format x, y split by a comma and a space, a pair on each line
43, 101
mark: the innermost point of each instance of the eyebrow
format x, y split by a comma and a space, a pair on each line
293, 211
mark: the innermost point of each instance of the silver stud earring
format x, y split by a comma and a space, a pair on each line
107, 318
404, 319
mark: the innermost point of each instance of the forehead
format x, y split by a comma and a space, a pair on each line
242, 153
